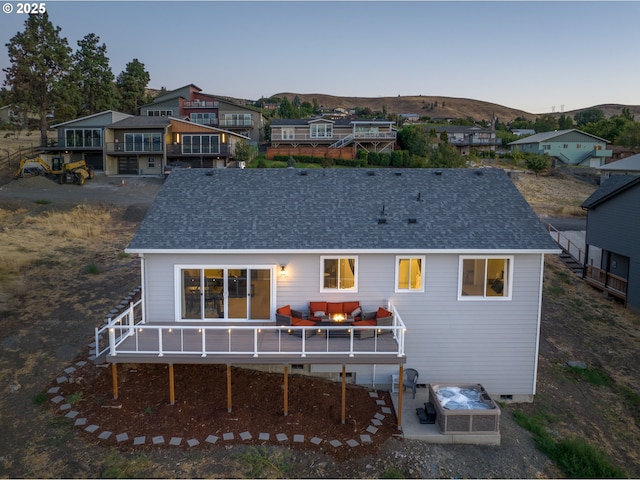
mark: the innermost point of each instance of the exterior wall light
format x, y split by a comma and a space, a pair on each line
283, 270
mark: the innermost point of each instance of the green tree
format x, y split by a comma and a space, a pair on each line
536, 162
630, 135
545, 123
414, 140
131, 86
95, 78
245, 152
286, 109
590, 115
445, 155
39, 61
565, 122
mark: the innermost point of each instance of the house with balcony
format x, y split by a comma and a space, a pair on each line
333, 138
468, 139
451, 259
190, 103
145, 145
612, 246
569, 147
83, 138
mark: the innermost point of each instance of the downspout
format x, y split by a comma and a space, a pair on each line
535, 363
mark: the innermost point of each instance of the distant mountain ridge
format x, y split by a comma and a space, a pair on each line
433, 106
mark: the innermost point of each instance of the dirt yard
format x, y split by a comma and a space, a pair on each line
63, 267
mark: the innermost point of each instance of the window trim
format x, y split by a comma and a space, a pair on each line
423, 260
324, 289
484, 297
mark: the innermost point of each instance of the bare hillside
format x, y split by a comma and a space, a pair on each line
431, 106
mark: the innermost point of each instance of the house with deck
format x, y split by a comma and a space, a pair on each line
345, 273
469, 138
332, 138
191, 103
570, 147
612, 238
83, 138
145, 145
625, 166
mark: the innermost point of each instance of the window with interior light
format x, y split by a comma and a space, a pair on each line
339, 273
409, 274
485, 277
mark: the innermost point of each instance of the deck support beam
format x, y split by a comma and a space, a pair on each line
344, 394
286, 390
172, 392
114, 380
229, 405
400, 390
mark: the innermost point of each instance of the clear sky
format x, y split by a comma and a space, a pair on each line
534, 56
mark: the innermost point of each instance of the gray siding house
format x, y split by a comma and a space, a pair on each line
456, 255
571, 147
613, 238
83, 138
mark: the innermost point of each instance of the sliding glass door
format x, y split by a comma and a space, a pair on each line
225, 293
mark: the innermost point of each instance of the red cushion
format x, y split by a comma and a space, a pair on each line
365, 323
317, 307
300, 322
335, 308
350, 307
284, 310
383, 313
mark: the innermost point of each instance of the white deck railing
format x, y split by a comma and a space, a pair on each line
124, 336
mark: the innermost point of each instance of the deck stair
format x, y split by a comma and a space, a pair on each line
344, 141
573, 264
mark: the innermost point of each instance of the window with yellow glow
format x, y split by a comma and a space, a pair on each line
409, 273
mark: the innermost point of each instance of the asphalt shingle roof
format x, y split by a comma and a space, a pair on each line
609, 188
339, 209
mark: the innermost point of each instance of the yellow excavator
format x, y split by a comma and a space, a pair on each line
74, 172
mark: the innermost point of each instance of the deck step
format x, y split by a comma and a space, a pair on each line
571, 263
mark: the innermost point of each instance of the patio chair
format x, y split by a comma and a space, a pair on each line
410, 380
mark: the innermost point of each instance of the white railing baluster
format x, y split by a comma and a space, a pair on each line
160, 348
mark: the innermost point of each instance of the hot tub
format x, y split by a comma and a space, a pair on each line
464, 409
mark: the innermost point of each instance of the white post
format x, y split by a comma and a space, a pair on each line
160, 352
255, 342
112, 341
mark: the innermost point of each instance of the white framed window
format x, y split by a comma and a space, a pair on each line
159, 113
338, 274
409, 274
321, 130
485, 277
151, 162
287, 133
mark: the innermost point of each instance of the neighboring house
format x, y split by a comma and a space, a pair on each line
339, 138
190, 103
144, 145
613, 238
626, 166
410, 117
457, 255
9, 114
519, 132
466, 139
16, 116
571, 147
83, 138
